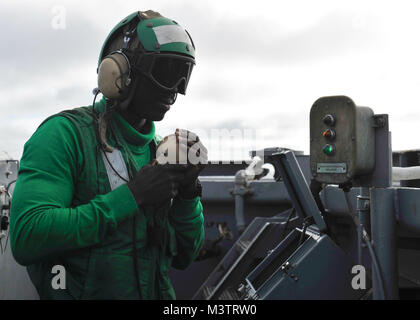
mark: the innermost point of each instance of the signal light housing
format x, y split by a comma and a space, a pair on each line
342, 140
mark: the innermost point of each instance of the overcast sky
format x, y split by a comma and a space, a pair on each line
260, 65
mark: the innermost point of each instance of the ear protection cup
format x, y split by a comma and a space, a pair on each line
114, 75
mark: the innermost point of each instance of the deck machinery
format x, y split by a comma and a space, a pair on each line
338, 224
351, 233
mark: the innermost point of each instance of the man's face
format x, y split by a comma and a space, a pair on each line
151, 102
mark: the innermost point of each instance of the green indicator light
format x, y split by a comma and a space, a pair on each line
329, 149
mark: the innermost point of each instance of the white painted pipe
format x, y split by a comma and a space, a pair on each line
405, 173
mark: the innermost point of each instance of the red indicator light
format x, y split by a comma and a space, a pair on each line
329, 134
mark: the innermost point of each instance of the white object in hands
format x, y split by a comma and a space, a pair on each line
171, 151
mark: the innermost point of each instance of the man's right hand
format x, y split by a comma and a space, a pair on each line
154, 184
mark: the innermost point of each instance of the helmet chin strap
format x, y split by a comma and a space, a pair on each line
125, 103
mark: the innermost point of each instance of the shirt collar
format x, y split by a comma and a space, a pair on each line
130, 135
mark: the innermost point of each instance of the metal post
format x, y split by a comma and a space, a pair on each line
239, 212
384, 237
363, 212
363, 208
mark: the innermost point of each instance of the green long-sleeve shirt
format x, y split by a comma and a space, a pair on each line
45, 226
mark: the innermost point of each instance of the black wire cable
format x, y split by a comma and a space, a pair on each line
375, 263
95, 115
112, 167
96, 92
366, 239
8, 186
134, 240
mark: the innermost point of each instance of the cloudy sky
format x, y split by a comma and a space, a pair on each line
260, 65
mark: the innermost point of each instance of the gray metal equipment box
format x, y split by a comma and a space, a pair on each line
342, 140
314, 269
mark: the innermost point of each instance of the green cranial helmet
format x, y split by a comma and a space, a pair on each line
155, 47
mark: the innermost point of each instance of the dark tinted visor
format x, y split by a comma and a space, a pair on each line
172, 72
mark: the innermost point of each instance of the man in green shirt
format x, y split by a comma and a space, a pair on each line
89, 196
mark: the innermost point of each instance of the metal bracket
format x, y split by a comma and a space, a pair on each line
286, 268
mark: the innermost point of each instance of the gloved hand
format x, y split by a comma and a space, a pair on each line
155, 183
190, 186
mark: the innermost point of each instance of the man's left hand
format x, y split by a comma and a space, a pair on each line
197, 159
